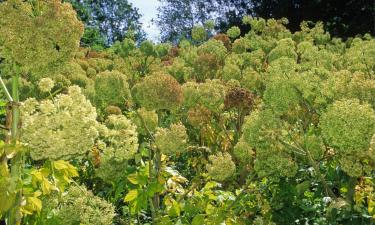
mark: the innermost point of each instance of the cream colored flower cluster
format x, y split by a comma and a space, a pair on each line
121, 138
348, 127
145, 119
62, 128
39, 38
210, 94
171, 140
118, 144
81, 206
221, 166
46, 84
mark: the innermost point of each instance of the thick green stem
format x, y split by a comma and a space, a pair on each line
15, 109
15, 215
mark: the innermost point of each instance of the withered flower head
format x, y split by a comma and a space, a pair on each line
239, 98
199, 116
225, 39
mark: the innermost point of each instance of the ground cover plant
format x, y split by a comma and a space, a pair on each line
271, 127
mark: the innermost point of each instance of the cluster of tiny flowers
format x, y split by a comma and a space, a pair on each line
198, 33
234, 32
121, 138
262, 131
221, 166
146, 121
171, 140
199, 116
281, 96
180, 70
348, 126
215, 48
81, 206
118, 143
243, 152
31, 41
59, 129
231, 71
210, 94
239, 98
224, 39
275, 162
158, 91
45, 84
109, 170
113, 110
284, 48
111, 88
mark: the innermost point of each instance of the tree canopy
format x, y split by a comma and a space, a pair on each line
342, 18
107, 20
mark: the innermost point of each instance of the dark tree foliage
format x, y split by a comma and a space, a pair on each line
231, 13
93, 38
176, 18
107, 19
342, 18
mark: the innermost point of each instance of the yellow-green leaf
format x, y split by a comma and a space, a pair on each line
60, 165
132, 194
35, 203
133, 178
46, 186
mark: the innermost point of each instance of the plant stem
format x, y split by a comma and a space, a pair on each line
15, 215
5, 89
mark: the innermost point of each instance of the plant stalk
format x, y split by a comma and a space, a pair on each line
15, 215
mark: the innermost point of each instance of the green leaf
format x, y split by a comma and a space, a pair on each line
210, 209
133, 178
198, 220
60, 165
211, 184
46, 186
154, 188
132, 194
176, 209
35, 203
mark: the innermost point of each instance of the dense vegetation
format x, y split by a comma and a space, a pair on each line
271, 127
176, 18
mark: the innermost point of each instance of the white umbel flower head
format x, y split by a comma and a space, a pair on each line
46, 84
61, 129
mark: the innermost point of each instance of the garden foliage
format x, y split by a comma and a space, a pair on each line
271, 127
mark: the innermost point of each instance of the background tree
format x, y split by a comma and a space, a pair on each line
108, 20
342, 18
176, 17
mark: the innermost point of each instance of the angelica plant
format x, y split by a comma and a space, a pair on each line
158, 91
221, 166
39, 35
62, 128
348, 127
264, 127
111, 88
82, 207
171, 140
32, 45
